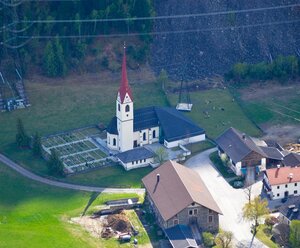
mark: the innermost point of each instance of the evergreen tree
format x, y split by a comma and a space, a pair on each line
22, 139
55, 165
37, 145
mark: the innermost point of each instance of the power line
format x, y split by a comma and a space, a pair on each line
158, 32
161, 17
15, 4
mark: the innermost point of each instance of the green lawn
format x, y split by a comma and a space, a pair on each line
114, 176
36, 215
215, 111
64, 105
265, 238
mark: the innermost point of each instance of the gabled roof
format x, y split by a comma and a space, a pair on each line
181, 236
237, 145
281, 175
178, 187
135, 154
174, 124
272, 153
292, 159
124, 87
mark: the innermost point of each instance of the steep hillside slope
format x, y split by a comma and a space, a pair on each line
222, 39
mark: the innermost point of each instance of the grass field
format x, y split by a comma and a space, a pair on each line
215, 111
264, 238
35, 215
61, 105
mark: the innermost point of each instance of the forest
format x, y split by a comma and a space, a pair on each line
56, 36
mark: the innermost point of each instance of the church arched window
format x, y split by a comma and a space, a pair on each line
119, 107
127, 108
114, 142
144, 136
153, 134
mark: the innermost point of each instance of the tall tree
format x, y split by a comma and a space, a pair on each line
37, 145
161, 155
224, 239
22, 139
55, 165
253, 211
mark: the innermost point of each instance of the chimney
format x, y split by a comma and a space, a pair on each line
278, 166
244, 136
291, 176
157, 178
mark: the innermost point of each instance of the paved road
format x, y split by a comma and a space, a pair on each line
230, 200
40, 179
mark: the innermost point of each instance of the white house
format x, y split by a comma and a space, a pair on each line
282, 182
131, 128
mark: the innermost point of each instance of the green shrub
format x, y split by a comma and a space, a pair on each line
208, 239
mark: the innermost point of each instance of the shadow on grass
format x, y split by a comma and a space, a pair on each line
93, 197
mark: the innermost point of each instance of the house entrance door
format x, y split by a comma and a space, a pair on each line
192, 220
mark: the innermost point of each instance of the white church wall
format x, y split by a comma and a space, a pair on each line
110, 141
189, 140
137, 164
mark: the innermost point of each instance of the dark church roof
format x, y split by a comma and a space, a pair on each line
174, 124
135, 154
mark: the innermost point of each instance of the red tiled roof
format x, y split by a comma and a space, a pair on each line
281, 175
124, 87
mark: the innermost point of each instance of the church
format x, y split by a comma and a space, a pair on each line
130, 130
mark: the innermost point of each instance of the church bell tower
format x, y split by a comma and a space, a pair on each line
124, 111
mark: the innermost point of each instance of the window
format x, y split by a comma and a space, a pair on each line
295, 192
119, 107
210, 218
295, 184
286, 185
132, 162
175, 222
144, 136
191, 212
278, 194
127, 108
144, 160
195, 211
141, 161
114, 142
278, 187
210, 211
153, 134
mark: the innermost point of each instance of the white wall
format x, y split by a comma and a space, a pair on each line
109, 141
190, 140
137, 164
291, 187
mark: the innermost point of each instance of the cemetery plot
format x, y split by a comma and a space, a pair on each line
76, 149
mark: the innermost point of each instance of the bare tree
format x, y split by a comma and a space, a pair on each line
224, 239
248, 193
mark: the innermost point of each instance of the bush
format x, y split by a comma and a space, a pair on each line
208, 239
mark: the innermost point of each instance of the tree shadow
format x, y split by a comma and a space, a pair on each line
93, 197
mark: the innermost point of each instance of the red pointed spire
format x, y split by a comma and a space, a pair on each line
124, 87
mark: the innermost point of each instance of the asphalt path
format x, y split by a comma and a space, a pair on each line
230, 200
26, 173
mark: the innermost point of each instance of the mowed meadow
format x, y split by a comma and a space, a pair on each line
36, 215
62, 104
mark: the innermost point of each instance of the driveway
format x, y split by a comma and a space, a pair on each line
230, 200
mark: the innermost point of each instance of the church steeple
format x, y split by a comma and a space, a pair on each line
124, 87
